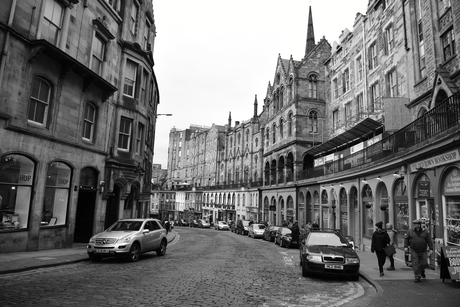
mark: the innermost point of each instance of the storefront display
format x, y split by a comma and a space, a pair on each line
16, 180
451, 192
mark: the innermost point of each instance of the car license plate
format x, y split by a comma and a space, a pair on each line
102, 251
333, 266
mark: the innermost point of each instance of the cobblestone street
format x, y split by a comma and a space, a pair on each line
203, 267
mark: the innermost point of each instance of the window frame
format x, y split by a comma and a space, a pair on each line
139, 138
88, 122
35, 101
96, 58
130, 84
48, 21
124, 137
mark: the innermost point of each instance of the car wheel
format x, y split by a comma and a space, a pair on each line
304, 269
134, 253
94, 257
162, 250
355, 277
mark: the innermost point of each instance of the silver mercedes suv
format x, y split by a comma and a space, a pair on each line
129, 238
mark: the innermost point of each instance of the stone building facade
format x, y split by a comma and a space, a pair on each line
79, 97
374, 120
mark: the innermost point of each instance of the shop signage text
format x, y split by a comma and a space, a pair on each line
452, 256
432, 162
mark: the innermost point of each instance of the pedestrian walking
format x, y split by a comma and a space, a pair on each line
380, 240
167, 226
418, 242
392, 234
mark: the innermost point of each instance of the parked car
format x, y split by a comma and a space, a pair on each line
129, 238
327, 252
221, 225
256, 230
351, 241
270, 233
193, 223
182, 222
242, 227
284, 238
203, 224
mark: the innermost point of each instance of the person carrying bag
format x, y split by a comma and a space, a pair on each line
390, 250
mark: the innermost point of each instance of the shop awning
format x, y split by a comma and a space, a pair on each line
352, 135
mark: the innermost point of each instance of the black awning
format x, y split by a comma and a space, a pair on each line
352, 136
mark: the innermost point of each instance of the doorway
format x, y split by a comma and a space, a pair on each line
85, 215
113, 205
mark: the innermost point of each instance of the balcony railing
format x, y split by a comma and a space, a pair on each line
434, 122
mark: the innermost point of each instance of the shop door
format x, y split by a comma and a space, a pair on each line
85, 215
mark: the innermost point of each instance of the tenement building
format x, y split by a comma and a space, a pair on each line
360, 131
77, 115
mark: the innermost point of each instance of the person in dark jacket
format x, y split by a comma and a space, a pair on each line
167, 226
417, 241
380, 240
295, 232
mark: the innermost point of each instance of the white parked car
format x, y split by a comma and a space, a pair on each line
221, 225
129, 238
256, 230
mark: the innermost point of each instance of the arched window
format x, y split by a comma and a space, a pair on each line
313, 121
274, 133
313, 86
289, 124
281, 98
247, 135
268, 137
40, 100
281, 128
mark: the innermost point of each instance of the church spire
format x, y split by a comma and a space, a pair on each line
310, 35
229, 119
255, 106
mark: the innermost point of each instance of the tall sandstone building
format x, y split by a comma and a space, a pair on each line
77, 117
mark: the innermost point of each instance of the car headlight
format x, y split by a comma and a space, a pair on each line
314, 258
351, 260
124, 239
92, 240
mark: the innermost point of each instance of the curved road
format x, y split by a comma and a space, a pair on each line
202, 267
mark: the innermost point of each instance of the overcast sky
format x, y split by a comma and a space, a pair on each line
213, 56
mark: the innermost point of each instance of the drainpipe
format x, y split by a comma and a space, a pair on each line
6, 41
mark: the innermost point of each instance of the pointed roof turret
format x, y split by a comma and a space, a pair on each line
255, 106
229, 119
310, 35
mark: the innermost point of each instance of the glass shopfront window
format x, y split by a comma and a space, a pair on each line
16, 181
368, 210
451, 200
57, 190
401, 210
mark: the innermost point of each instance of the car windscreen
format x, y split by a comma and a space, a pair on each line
285, 230
320, 238
126, 226
259, 226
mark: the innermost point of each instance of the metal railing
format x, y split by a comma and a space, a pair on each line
434, 122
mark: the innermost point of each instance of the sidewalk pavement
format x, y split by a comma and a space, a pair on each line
25, 261
395, 288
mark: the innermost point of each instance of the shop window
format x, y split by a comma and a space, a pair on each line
368, 211
401, 209
452, 206
16, 181
55, 203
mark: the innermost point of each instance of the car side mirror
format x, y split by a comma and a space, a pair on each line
145, 231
